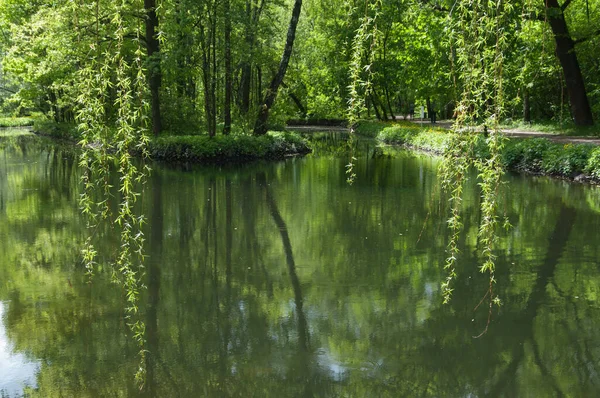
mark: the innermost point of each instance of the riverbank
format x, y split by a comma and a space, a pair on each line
202, 149
542, 156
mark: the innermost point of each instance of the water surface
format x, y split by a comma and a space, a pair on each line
281, 280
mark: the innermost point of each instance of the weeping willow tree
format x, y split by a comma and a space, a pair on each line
112, 118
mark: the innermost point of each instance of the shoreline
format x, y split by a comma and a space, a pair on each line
536, 156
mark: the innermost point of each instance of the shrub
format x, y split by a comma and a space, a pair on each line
231, 148
593, 164
566, 160
431, 139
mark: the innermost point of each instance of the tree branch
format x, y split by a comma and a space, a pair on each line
565, 5
435, 6
535, 16
584, 39
8, 90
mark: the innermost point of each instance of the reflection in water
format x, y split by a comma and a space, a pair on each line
277, 280
16, 371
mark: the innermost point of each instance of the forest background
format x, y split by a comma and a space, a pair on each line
212, 65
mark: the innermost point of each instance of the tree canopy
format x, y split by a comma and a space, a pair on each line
212, 64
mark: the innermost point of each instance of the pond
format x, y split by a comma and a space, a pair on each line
282, 280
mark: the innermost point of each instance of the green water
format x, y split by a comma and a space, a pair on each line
281, 280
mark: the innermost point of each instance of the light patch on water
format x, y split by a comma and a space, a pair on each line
16, 371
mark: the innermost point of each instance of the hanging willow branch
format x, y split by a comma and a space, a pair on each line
107, 150
361, 73
478, 38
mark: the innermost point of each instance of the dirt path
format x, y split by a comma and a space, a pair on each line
447, 124
516, 133
317, 129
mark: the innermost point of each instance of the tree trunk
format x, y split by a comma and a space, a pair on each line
385, 75
526, 106
298, 104
208, 77
565, 51
260, 127
155, 75
246, 67
389, 103
258, 85
296, 101
227, 105
374, 104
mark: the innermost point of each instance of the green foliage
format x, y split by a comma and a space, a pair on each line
540, 155
16, 121
226, 149
593, 164
112, 121
369, 128
427, 138
62, 130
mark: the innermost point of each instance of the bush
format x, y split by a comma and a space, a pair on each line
566, 160
225, 149
543, 155
431, 139
593, 164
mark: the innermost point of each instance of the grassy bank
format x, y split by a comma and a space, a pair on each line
9, 121
234, 148
531, 155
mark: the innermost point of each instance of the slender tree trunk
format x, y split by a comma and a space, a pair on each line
296, 100
260, 127
385, 75
381, 105
227, 105
374, 104
298, 104
213, 80
565, 51
206, 44
244, 91
258, 85
246, 77
389, 103
526, 106
155, 75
